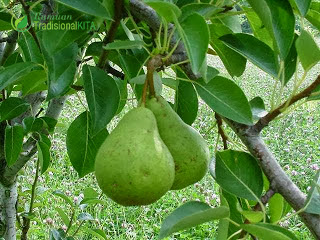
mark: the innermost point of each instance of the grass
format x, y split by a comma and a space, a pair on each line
294, 140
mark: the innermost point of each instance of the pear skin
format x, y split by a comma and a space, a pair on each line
188, 149
133, 166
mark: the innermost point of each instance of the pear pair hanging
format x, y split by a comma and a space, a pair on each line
150, 152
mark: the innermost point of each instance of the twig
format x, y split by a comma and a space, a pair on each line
78, 228
39, 112
263, 122
114, 72
118, 6
26, 220
71, 221
221, 131
31, 30
84, 60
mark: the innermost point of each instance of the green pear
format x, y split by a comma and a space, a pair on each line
188, 149
133, 166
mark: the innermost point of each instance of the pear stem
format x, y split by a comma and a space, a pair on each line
144, 93
153, 64
150, 70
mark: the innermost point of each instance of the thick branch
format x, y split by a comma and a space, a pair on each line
8, 198
263, 122
35, 100
145, 13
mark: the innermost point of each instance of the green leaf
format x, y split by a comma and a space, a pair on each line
30, 49
12, 73
308, 51
33, 82
31, 124
313, 15
12, 107
90, 193
211, 74
232, 22
57, 234
170, 82
82, 146
226, 98
186, 99
239, 173
302, 5
63, 215
278, 18
85, 217
190, 215
258, 108
313, 199
127, 44
45, 139
50, 123
13, 59
258, 28
102, 96
13, 143
5, 21
276, 205
62, 39
261, 55
267, 231
94, 49
253, 216
290, 63
95, 8
122, 86
43, 155
195, 36
97, 233
204, 9
140, 80
130, 65
233, 61
60, 72
232, 202
61, 194
167, 10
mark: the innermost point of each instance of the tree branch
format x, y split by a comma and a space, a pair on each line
279, 181
114, 72
145, 13
264, 121
118, 6
221, 132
